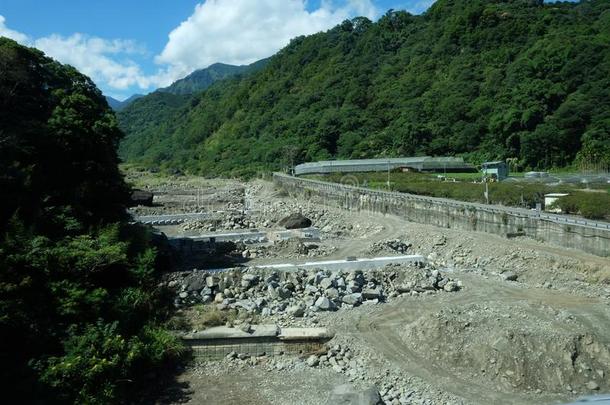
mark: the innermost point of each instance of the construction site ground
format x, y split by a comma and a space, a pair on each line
540, 338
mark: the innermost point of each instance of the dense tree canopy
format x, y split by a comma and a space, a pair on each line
485, 79
78, 299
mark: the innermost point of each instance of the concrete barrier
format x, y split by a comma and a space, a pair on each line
270, 340
571, 232
355, 264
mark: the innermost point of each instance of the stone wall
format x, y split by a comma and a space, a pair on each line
589, 236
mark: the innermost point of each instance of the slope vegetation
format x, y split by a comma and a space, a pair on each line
485, 79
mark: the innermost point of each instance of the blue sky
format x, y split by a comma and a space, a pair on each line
136, 46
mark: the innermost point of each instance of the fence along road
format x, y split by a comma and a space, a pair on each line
498, 209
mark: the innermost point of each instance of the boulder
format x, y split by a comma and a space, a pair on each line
326, 283
372, 293
352, 299
349, 395
332, 293
324, 304
312, 360
295, 221
509, 276
211, 281
296, 310
451, 286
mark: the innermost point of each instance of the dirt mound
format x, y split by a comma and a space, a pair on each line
514, 347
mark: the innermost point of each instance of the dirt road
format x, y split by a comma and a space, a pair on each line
383, 333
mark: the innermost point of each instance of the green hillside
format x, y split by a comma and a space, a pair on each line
481, 79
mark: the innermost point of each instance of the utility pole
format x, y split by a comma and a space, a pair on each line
389, 175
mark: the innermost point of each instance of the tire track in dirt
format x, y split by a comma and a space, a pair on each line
381, 331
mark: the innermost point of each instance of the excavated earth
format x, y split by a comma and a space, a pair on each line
530, 323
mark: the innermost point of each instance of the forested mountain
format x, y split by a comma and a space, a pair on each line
113, 102
118, 105
155, 111
203, 78
485, 79
79, 302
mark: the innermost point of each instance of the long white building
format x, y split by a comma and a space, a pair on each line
420, 164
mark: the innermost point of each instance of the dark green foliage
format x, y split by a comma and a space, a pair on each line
589, 205
484, 79
58, 143
79, 302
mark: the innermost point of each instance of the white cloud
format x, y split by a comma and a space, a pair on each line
229, 31
243, 31
6, 32
419, 7
105, 61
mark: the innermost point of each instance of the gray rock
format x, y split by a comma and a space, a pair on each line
592, 385
196, 284
284, 293
349, 395
326, 283
206, 299
249, 280
371, 293
352, 299
312, 361
211, 281
332, 293
260, 302
311, 290
401, 289
296, 310
509, 276
324, 304
451, 286
183, 294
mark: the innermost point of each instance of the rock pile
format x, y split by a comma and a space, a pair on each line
304, 292
391, 245
289, 248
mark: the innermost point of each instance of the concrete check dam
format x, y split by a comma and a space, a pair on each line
565, 231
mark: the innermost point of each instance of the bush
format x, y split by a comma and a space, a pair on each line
101, 366
588, 204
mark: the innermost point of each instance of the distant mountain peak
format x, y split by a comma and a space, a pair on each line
118, 105
201, 79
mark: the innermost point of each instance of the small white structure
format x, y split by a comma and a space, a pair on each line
549, 199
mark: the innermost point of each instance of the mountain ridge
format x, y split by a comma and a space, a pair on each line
201, 79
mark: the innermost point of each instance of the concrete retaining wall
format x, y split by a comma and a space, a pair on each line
589, 236
269, 340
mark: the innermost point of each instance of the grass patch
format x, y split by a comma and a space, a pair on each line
201, 317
